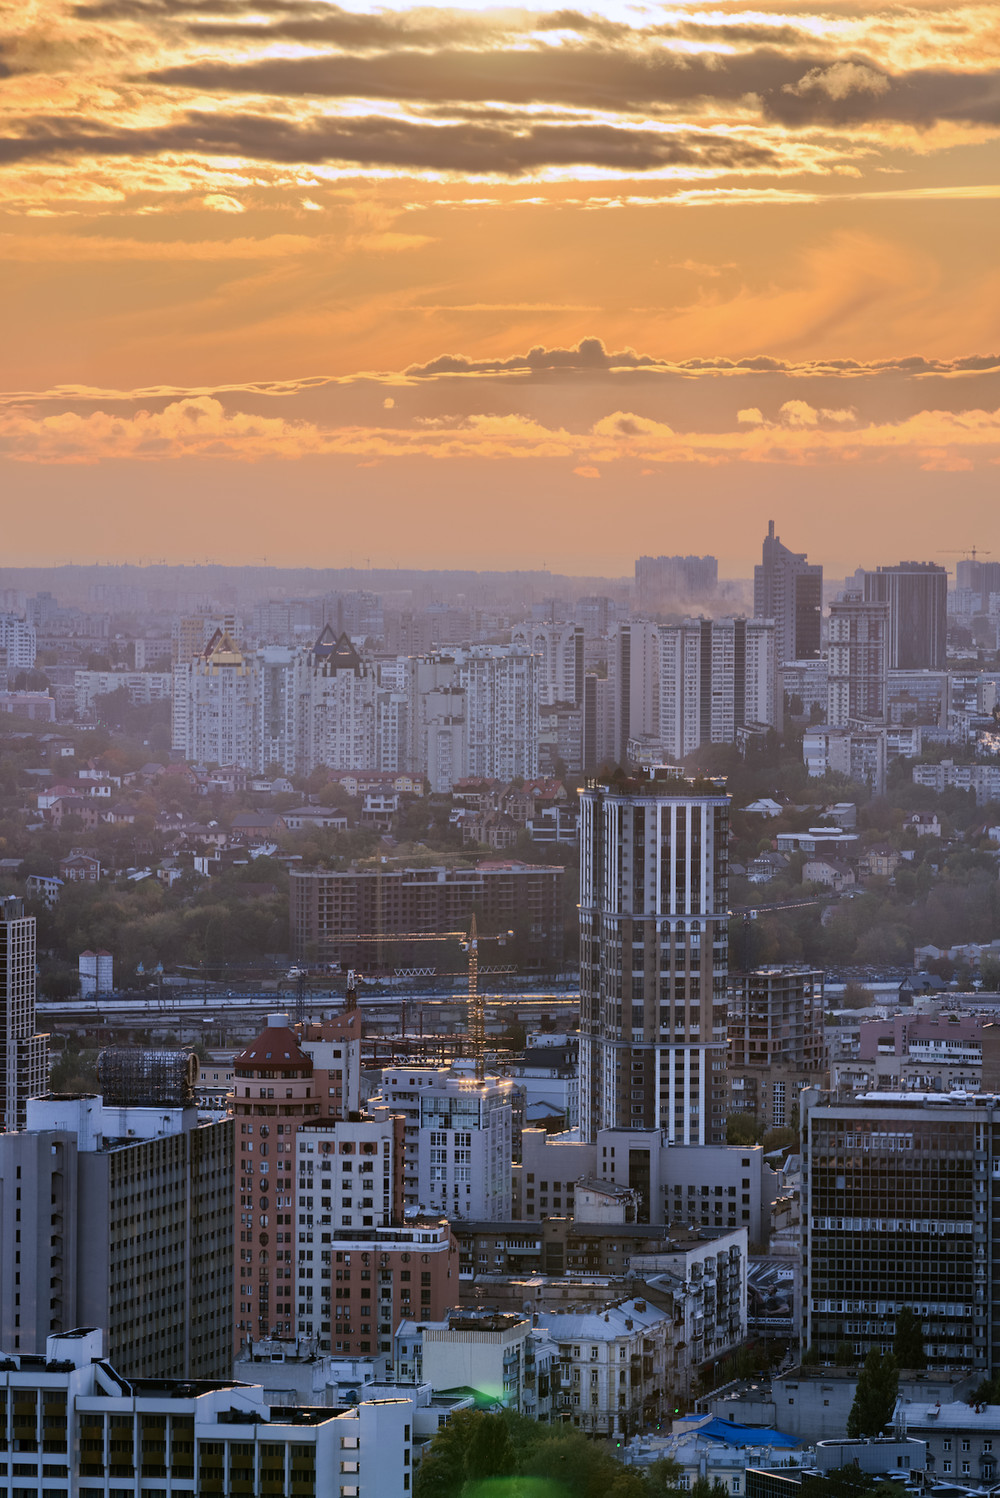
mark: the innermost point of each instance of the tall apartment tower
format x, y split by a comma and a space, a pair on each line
213, 704
559, 669
654, 921
633, 672
715, 676
857, 661
281, 1081
789, 590
917, 595
24, 1055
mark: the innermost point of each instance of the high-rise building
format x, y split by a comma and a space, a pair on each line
17, 643
559, 669
654, 920
458, 1140
336, 700
282, 1080
214, 705
789, 590
716, 676
501, 712
120, 1215
24, 1054
857, 661
598, 723
917, 595
776, 1042
899, 1209
633, 671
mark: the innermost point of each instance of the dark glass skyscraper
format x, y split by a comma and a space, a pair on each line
917, 595
789, 590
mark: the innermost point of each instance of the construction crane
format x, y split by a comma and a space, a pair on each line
969, 552
750, 913
469, 941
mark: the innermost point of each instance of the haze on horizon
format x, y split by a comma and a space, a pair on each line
500, 287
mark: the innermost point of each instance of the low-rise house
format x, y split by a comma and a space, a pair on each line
834, 873
80, 868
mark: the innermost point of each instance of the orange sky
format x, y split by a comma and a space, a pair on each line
498, 286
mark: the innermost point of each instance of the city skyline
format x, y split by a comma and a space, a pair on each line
329, 264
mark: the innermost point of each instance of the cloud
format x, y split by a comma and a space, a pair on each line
590, 354
374, 141
203, 427
841, 79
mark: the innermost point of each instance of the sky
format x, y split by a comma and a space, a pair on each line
498, 286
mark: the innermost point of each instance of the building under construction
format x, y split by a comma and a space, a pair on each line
375, 918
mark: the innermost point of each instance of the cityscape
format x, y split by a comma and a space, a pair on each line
499, 749
451, 1014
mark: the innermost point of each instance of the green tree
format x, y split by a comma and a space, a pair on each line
663, 1478
844, 1356
908, 1343
875, 1395
743, 1128
490, 1451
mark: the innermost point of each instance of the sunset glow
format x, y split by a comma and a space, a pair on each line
274, 269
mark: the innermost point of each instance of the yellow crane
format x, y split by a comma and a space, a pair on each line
470, 945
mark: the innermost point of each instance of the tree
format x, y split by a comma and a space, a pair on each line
663, 1478
490, 1451
856, 996
844, 1356
875, 1395
908, 1343
743, 1128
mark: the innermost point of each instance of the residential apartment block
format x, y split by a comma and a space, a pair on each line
654, 924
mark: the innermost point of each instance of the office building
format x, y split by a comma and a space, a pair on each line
917, 595
342, 917
899, 1209
654, 920
458, 1140
776, 1042
703, 1186
789, 590
24, 1062
117, 1211
75, 1424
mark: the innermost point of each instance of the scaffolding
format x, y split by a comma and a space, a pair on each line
130, 1077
